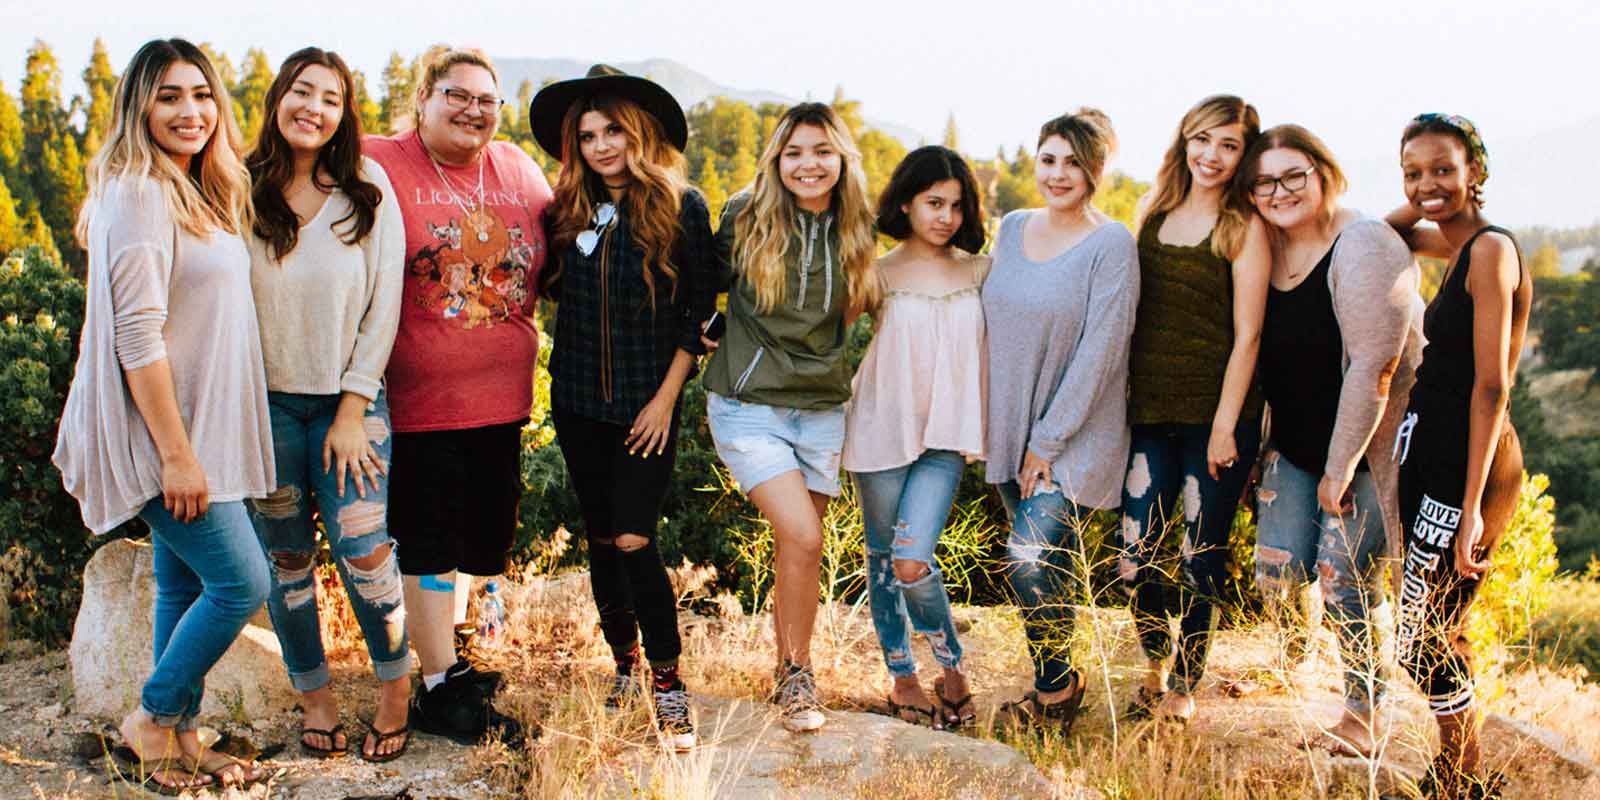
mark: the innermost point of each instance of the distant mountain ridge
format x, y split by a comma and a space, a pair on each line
686, 84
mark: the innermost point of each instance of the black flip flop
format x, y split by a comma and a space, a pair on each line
377, 756
898, 712
324, 752
955, 713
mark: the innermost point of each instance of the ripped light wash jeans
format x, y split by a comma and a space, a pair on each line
1293, 535
904, 511
1044, 554
355, 527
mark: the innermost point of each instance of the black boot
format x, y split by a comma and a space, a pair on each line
467, 653
459, 710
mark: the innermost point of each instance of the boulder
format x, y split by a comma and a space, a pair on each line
748, 754
111, 654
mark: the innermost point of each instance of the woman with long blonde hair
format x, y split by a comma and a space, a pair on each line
167, 418
634, 278
1192, 403
800, 243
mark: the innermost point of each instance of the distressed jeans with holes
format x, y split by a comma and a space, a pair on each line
1044, 556
355, 527
1296, 541
904, 511
1167, 464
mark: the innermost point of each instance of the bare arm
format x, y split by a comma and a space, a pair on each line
1492, 282
1252, 271
1422, 241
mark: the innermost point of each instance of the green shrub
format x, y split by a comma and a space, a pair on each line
43, 544
1516, 592
1569, 631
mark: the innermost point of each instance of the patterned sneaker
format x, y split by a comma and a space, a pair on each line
672, 718
624, 687
797, 698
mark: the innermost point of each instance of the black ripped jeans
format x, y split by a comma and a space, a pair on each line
622, 494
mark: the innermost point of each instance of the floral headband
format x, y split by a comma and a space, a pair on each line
1469, 132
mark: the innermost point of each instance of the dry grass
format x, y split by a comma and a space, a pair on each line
1250, 747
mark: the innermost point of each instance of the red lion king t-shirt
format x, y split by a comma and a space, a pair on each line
465, 352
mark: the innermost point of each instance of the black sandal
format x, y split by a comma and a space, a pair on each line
928, 716
956, 714
379, 757
324, 752
1030, 713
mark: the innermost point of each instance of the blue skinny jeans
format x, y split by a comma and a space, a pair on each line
355, 526
904, 510
1168, 463
210, 578
1294, 537
1045, 567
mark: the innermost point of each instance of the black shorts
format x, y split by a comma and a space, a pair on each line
617, 492
453, 498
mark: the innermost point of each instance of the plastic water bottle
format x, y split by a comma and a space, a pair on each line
492, 614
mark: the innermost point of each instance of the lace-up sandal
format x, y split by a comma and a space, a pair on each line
1030, 712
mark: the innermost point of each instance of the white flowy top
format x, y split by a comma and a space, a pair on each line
923, 382
156, 291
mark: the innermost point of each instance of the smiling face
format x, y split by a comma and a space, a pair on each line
1213, 155
1438, 177
1282, 207
309, 113
604, 147
810, 166
1061, 178
183, 116
935, 212
456, 135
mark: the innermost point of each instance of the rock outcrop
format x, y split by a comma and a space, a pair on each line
111, 653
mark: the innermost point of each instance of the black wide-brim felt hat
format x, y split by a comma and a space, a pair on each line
549, 106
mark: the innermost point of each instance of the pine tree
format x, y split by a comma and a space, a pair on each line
11, 230
366, 107
37, 233
12, 150
223, 65
250, 95
710, 184
61, 192
849, 111
952, 137
99, 82
43, 118
742, 169
397, 90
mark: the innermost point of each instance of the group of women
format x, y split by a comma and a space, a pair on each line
374, 373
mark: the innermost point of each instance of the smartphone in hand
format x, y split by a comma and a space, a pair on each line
715, 326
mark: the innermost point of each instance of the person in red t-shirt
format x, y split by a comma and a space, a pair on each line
460, 380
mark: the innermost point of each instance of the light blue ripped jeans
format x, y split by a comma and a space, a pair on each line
904, 511
355, 526
1293, 534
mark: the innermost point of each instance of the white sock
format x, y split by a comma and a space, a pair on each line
430, 681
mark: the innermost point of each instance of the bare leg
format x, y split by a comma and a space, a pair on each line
797, 540
428, 615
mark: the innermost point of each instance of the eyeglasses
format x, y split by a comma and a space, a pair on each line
1266, 185
604, 215
460, 100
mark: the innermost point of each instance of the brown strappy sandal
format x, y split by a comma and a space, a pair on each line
955, 714
1030, 713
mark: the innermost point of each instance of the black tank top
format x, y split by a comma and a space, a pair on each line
1302, 368
1445, 377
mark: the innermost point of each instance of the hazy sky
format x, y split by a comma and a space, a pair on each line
1354, 71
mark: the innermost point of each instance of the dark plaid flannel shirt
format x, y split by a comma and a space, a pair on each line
643, 343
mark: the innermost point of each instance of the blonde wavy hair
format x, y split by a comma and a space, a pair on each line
434, 64
215, 191
765, 226
1173, 180
651, 202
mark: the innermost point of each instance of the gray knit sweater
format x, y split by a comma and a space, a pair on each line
1058, 359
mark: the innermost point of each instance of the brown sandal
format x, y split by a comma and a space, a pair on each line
1030, 713
921, 716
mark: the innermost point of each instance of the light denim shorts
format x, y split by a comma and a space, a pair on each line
760, 442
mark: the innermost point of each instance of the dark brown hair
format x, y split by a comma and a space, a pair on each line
271, 163
920, 169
